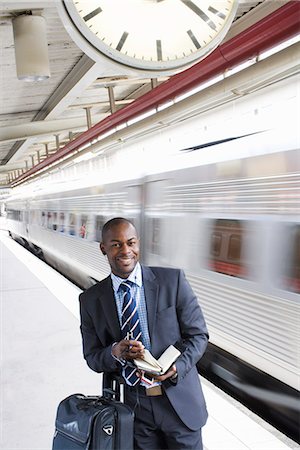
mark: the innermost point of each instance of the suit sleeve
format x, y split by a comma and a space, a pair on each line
193, 330
97, 352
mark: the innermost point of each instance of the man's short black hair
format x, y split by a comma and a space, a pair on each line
114, 222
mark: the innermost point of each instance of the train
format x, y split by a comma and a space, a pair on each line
216, 197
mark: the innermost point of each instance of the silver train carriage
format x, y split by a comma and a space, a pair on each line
231, 223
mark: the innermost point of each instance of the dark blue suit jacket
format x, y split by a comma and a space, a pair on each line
174, 317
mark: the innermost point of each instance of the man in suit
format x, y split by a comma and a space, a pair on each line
170, 409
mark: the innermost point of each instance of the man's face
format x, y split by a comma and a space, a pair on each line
121, 245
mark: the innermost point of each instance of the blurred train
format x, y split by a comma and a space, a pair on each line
232, 224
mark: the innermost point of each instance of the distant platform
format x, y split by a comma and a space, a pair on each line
42, 363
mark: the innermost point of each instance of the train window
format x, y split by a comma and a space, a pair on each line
226, 247
234, 248
100, 221
61, 225
83, 226
293, 267
54, 223
14, 214
72, 224
43, 222
49, 220
216, 240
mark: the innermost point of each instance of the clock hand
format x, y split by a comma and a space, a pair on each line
159, 45
199, 13
216, 12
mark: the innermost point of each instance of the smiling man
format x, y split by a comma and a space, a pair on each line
138, 307
121, 245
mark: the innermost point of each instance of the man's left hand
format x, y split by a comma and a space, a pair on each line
169, 374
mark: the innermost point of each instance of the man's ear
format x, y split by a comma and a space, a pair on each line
102, 249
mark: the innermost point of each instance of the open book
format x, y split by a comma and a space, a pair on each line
157, 366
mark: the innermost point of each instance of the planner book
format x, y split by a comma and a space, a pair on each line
158, 366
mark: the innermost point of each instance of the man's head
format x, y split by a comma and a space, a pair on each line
121, 245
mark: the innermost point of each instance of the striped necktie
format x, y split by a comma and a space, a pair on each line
130, 327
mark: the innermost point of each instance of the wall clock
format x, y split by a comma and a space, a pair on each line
149, 35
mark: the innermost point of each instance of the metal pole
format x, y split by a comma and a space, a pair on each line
154, 83
57, 141
111, 96
47, 150
88, 117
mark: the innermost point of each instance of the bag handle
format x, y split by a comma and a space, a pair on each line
111, 385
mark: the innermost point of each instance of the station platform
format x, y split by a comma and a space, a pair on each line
42, 363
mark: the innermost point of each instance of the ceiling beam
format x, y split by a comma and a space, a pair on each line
101, 104
42, 128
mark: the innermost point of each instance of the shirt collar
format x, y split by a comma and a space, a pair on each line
135, 277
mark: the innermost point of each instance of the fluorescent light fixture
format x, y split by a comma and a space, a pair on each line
279, 47
143, 116
104, 135
121, 126
240, 67
165, 105
199, 88
83, 147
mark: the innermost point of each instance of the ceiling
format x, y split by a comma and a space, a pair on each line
39, 118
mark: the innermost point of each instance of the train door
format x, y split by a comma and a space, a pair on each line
154, 222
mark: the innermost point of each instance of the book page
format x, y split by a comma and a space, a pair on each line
148, 363
149, 358
160, 366
146, 367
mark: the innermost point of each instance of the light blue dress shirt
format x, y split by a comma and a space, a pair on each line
138, 293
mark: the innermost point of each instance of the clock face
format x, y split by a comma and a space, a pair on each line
152, 34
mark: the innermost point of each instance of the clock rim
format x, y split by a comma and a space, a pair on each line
94, 47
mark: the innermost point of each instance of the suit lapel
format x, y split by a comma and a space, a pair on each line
108, 303
151, 295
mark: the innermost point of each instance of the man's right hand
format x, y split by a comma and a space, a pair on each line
126, 349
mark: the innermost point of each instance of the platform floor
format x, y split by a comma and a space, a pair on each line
42, 363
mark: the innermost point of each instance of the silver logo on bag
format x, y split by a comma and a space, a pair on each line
108, 429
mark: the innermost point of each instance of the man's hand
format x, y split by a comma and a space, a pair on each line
169, 374
126, 349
